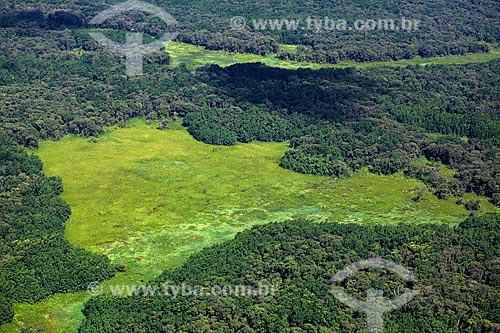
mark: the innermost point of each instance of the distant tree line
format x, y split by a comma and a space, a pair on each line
377, 118
209, 24
338, 121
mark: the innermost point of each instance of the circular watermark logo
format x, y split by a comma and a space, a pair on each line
238, 23
95, 288
375, 305
134, 49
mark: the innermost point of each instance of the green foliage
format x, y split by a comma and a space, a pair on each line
14, 160
198, 56
6, 310
226, 126
207, 23
183, 195
380, 147
457, 271
35, 259
174, 182
55, 81
362, 127
253, 102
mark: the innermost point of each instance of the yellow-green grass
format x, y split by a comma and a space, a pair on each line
61, 313
197, 56
148, 198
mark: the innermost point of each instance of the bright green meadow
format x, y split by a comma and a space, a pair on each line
197, 56
194, 56
148, 198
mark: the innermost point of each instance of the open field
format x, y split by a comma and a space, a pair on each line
197, 56
61, 313
146, 197
149, 198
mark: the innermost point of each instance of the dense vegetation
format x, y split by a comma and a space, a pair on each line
439, 124
445, 28
458, 272
338, 120
71, 87
35, 259
376, 118
226, 126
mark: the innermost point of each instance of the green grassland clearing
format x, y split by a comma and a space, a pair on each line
197, 56
148, 199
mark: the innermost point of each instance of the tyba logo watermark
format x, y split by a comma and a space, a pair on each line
134, 49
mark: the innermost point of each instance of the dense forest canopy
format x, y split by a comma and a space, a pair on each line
338, 120
446, 27
35, 258
440, 124
458, 272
